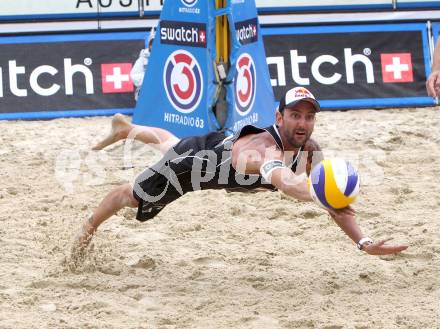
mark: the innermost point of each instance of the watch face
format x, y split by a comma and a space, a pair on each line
362, 241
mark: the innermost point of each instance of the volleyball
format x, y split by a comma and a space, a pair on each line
334, 183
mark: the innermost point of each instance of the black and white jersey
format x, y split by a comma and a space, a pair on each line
198, 163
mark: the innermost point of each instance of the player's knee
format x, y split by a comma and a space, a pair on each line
128, 193
128, 130
123, 133
125, 193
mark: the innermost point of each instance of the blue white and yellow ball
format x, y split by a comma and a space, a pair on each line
334, 183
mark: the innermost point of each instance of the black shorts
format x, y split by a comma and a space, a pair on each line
170, 178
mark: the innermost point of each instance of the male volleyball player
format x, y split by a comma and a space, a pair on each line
253, 159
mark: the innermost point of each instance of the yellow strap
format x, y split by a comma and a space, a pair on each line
222, 34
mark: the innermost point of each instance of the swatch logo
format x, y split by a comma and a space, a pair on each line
183, 33
247, 31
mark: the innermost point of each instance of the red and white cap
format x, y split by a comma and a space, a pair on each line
296, 95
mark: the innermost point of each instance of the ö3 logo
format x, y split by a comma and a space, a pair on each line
245, 84
189, 3
183, 81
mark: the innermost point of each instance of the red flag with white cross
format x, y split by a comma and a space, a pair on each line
397, 67
116, 78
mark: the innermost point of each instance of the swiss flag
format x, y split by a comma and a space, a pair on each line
397, 67
116, 78
202, 36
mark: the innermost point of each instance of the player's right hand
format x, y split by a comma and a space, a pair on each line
433, 83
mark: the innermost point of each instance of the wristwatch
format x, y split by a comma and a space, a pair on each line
361, 242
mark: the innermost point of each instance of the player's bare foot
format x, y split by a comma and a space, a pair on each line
120, 130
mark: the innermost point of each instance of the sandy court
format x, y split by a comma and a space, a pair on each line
218, 260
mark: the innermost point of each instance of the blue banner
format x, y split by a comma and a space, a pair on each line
352, 66
249, 92
180, 88
67, 75
178, 93
419, 4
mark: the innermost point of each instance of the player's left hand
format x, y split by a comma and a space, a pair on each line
380, 248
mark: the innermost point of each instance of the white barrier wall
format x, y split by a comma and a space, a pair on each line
35, 9
49, 9
62, 9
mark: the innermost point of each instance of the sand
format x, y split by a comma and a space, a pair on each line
218, 260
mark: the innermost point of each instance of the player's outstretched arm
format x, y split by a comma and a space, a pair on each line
295, 184
259, 154
286, 181
345, 219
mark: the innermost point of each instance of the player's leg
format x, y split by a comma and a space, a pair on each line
121, 129
148, 195
117, 199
